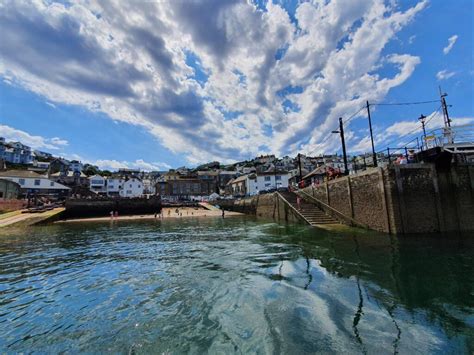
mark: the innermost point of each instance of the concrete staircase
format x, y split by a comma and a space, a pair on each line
311, 213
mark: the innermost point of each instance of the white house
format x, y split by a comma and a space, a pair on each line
113, 186
33, 183
266, 181
97, 184
132, 187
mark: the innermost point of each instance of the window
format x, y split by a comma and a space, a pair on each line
278, 177
267, 178
21, 181
37, 182
111, 187
51, 183
139, 186
130, 185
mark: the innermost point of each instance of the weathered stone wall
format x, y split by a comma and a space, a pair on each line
102, 207
360, 196
264, 206
413, 198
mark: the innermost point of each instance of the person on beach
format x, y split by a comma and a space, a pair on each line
111, 214
223, 213
116, 214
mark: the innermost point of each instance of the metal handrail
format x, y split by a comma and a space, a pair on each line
292, 207
340, 215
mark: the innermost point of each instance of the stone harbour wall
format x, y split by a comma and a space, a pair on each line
102, 207
413, 198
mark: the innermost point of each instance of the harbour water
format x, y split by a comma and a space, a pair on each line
236, 285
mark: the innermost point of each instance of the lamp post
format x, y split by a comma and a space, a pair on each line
343, 142
422, 120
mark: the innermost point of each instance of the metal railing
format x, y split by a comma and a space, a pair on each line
341, 217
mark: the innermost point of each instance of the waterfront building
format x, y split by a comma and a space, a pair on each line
9, 190
132, 187
97, 184
258, 183
113, 186
223, 179
238, 187
32, 183
70, 178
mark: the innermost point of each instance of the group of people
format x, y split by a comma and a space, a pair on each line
408, 159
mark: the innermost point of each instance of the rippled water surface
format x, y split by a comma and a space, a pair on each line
233, 286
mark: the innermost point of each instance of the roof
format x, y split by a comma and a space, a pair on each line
272, 173
10, 182
320, 170
69, 174
21, 174
214, 173
238, 179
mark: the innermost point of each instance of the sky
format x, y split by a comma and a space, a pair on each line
159, 84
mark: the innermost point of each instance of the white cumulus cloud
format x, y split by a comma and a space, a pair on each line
36, 142
267, 83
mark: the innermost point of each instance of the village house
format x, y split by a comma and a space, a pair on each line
70, 178
15, 152
9, 190
32, 183
132, 187
116, 186
237, 187
97, 184
257, 183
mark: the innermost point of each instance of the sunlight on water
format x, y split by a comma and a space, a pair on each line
234, 285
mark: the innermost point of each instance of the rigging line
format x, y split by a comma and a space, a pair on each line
403, 103
354, 115
399, 138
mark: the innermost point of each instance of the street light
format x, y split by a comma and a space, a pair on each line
343, 142
422, 120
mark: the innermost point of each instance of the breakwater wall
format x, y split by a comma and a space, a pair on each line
268, 206
402, 199
102, 207
413, 198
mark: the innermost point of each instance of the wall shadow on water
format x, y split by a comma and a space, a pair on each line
428, 273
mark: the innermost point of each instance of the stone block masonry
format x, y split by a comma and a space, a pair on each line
402, 199
413, 198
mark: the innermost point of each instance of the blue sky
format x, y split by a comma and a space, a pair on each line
147, 85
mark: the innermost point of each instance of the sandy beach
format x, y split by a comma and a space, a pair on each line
167, 213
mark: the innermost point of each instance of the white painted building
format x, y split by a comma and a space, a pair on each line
132, 187
33, 183
97, 184
113, 186
257, 183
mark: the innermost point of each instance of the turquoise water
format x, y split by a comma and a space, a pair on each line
233, 286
